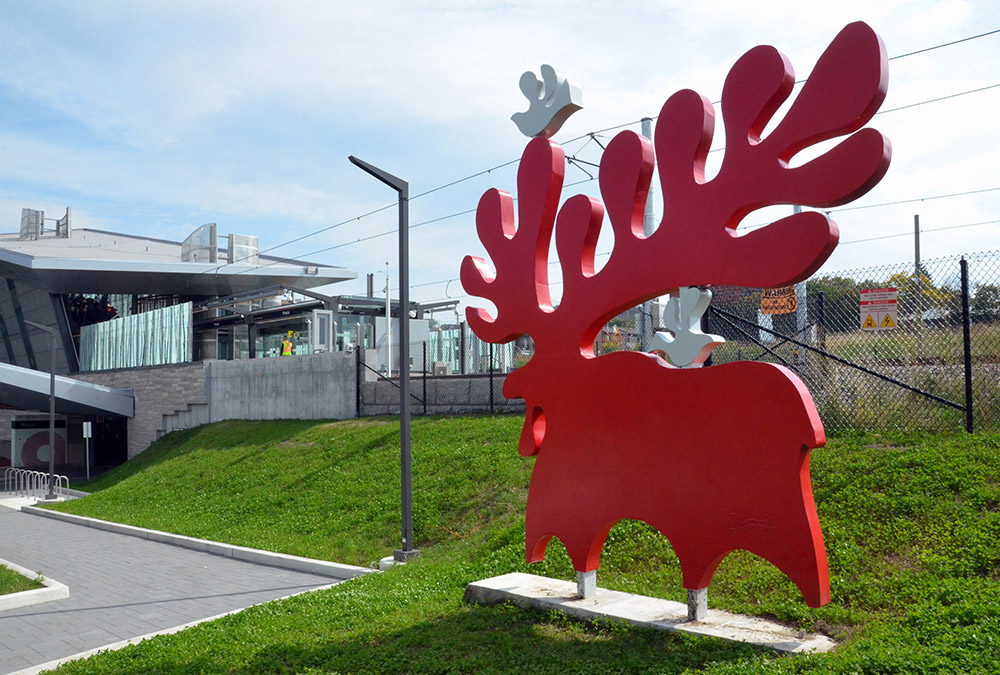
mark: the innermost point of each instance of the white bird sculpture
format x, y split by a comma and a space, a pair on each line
688, 347
551, 101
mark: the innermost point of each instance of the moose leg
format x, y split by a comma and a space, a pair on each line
697, 603
586, 584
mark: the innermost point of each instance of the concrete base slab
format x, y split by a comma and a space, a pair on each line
14, 502
532, 591
388, 562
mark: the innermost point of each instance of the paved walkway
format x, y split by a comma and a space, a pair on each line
120, 587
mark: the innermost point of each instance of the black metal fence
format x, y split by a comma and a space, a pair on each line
934, 364
437, 388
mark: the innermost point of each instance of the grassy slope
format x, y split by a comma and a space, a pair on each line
323, 490
12, 582
912, 529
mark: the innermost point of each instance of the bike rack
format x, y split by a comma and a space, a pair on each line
33, 484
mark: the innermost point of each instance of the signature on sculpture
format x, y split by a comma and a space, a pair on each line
698, 453
551, 100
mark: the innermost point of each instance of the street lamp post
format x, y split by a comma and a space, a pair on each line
52, 405
403, 189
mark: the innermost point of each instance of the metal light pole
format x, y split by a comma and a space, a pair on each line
52, 405
403, 188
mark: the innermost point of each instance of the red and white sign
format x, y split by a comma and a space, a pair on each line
30, 447
879, 310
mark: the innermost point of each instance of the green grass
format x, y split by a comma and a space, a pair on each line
912, 526
12, 582
322, 490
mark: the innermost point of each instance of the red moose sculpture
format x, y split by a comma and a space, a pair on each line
715, 458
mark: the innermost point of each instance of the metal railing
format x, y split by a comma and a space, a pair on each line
33, 484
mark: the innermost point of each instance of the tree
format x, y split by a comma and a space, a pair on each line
921, 297
985, 305
840, 302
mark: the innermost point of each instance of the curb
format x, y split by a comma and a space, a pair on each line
115, 646
53, 590
253, 555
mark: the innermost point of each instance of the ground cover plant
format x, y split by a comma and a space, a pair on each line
912, 526
12, 582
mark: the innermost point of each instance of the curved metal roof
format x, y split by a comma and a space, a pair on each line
93, 261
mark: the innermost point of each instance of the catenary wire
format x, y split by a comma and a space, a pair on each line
758, 226
589, 136
922, 231
388, 232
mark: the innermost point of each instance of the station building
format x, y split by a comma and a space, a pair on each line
112, 314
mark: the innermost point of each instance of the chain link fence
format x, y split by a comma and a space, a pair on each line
933, 365
866, 372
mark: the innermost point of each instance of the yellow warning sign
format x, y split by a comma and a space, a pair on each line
887, 322
870, 322
778, 300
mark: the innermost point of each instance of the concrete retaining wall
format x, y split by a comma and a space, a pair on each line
310, 387
446, 395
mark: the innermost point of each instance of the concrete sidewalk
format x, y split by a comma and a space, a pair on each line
121, 587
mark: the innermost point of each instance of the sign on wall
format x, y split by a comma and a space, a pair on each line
29, 442
879, 310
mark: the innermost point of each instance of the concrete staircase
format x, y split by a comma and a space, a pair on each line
193, 415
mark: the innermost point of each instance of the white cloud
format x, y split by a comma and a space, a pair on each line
164, 115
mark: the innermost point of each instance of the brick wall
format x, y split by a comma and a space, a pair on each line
158, 391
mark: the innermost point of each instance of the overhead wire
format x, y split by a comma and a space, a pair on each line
843, 243
922, 231
590, 178
944, 44
915, 199
744, 229
591, 136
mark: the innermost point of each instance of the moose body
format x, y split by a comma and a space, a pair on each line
711, 474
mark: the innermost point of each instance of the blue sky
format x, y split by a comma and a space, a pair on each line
156, 117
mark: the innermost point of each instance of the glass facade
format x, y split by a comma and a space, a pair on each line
152, 338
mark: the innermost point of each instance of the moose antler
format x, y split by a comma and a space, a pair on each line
697, 243
521, 284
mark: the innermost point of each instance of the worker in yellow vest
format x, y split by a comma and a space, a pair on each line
286, 345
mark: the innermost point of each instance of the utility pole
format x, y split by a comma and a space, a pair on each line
801, 307
646, 324
388, 322
918, 283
